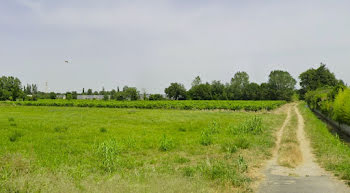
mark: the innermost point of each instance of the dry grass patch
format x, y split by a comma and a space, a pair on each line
289, 153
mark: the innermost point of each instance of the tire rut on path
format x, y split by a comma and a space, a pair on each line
308, 177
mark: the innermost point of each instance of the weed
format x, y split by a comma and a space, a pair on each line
103, 130
224, 172
61, 129
242, 164
242, 143
181, 160
11, 119
189, 171
182, 129
108, 151
15, 135
166, 144
229, 147
206, 138
13, 124
250, 126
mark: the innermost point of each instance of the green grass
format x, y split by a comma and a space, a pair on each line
73, 149
169, 104
331, 152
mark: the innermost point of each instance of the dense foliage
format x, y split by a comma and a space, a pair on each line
333, 102
185, 104
281, 86
10, 88
313, 79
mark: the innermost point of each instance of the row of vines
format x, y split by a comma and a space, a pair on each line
188, 104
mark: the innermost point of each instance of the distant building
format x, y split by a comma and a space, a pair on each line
91, 97
61, 96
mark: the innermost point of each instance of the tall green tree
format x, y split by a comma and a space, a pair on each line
10, 88
313, 79
200, 92
238, 85
218, 90
176, 91
131, 93
281, 85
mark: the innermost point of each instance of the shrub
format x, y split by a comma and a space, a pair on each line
342, 107
166, 144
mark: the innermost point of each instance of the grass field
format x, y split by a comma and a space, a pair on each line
74, 149
166, 104
332, 153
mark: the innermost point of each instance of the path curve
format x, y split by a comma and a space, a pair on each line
308, 177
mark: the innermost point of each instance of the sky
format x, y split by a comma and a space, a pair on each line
149, 44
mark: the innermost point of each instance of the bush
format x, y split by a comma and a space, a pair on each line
342, 107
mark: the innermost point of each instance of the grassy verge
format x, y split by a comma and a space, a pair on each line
330, 151
72, 149
289, 154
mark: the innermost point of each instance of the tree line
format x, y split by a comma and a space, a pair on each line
280, 86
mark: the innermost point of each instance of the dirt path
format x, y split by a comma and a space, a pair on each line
308, 177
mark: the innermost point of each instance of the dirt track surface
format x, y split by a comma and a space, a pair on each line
308, 177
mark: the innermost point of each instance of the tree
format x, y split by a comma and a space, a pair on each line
313, 79
264, 91
252, 92
131, 93
69, 96
176, 91
74, 95
281, 85
10, 88
52, 95
103, 91
200, 92
218, 90
197, 81
89, 92
238, 84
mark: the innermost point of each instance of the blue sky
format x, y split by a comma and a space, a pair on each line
149, 44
